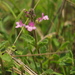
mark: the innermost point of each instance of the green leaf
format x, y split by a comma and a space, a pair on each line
44, 42
64, 45
25, 51
8, 65
65, 60
3, 43
6, 57
11, 10
72, 71
43, 49
55, 41
50, 71
29, 39
57, 73
45, 62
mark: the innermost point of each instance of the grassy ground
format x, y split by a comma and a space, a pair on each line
48, 50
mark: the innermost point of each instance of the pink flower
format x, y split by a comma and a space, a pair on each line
43, 18
19, 24
31, 23
31, 26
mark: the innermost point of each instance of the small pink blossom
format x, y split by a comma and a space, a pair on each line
31, 23
19, 24
31, 26
44, 17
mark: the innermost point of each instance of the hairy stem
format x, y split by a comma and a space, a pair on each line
36, 46
33, 3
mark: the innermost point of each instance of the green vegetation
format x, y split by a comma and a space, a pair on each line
47, 50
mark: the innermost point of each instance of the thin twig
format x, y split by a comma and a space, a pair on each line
36, 4
18, 36
26, 68
48, 36
17, 71
40, 54
73, 4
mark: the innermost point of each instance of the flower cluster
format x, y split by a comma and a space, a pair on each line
29, 27
43, 18
19, 24
31, 24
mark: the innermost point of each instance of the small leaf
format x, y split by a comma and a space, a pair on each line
6, 57
50, 71
65, 60
11, 10
57, 73
26, 50
64, 45
29, 39
72, 71
45, 62
43, 49
3, 43
55, 41
44, 42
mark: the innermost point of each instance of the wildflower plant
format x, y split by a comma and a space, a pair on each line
31, 27
26, 49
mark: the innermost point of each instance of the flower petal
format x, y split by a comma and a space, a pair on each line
19, 24
31, 23
42, 18
45, 17
30, 28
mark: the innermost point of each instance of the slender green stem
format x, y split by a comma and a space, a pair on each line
34, 61
18, 36
11, 10
63, 70
19, 33
36, 46
33, 3
72, 58
49, 47
36, 4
